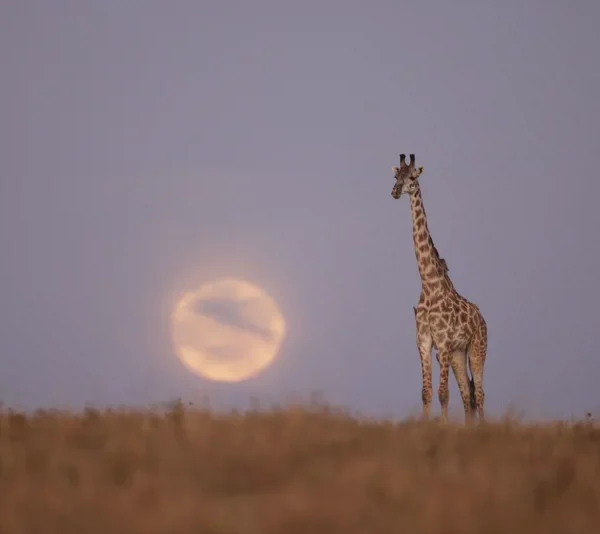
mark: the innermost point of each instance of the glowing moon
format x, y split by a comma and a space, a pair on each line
228, 330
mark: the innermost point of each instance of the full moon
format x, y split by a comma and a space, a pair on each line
228, 330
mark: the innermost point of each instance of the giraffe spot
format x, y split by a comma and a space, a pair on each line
431, 272
464, 317
421, 237
419, 223
446, 317
436, 298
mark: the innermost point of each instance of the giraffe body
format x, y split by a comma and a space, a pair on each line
445, 320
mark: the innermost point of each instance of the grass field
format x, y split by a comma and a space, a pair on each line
290, 471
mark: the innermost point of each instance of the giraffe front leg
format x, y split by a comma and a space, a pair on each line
443, 392
427, 386
424, 344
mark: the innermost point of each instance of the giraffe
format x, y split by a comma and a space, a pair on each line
445, 320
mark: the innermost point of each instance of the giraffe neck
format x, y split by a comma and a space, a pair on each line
431, 269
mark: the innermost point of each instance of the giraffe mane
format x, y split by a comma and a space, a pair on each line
442, 261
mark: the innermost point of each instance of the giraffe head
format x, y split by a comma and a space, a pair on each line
406, 177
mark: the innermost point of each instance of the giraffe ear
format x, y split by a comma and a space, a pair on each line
396, 169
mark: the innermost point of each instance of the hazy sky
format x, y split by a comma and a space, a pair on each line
147, 147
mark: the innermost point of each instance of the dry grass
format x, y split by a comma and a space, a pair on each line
292, 471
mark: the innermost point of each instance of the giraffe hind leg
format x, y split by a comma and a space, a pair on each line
459, 367
477, 355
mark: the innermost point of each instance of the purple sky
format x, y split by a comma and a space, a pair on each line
147, 147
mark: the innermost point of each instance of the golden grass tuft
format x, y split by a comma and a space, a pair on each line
290, 471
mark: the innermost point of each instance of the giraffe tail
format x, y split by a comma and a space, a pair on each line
472, 394
472, 401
